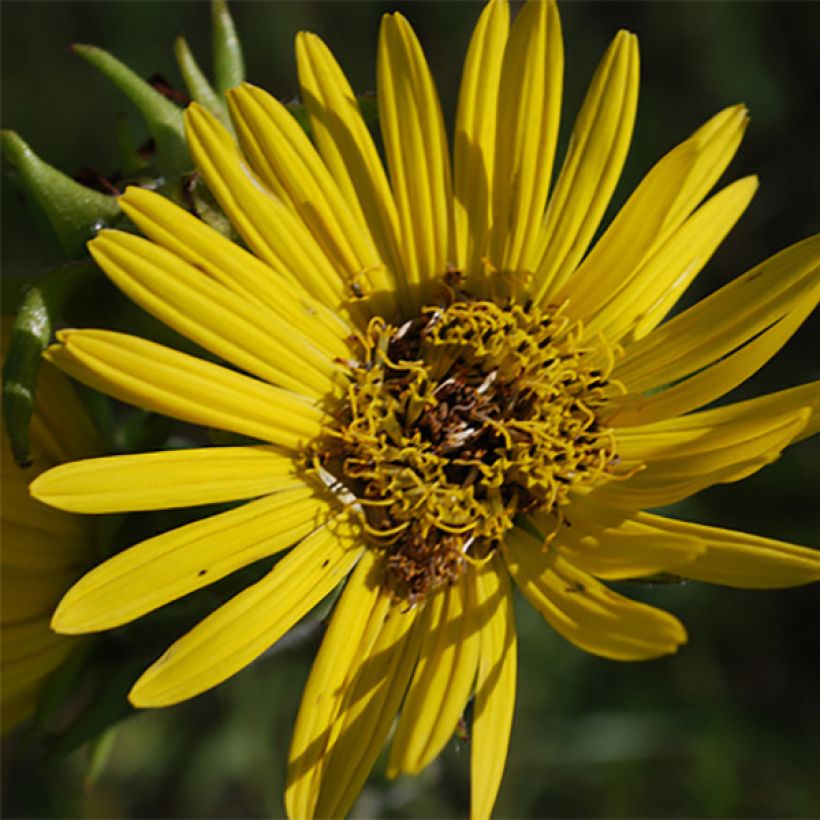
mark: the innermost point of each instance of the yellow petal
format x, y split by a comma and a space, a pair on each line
347, 148
675, 474
597, 151
615, 547
233, 267
166, 479
372, 698
495, 686
442, 682
724, 320
723, 427
715, 381
662, 201
474, 149
415, 146
174, 563
659, 282
529, 111
252, 621
163, 380
583, 610
738, 559
209, 314
287, 162
271, 231
354, 626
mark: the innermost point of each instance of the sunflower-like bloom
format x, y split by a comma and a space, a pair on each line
43, 550
455, 394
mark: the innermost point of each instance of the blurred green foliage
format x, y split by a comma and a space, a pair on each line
727, 728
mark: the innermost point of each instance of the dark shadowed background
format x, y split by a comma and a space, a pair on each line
730, 727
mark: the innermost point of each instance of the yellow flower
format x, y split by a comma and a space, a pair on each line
453, 392
43, 551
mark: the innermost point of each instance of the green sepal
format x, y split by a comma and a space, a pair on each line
30, 334
73, 211
163, 118
229, 66
197, 83
131, 162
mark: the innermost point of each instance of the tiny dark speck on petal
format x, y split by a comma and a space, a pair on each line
325, 562
202, 572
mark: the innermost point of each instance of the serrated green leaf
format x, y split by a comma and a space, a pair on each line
73, 211
229, 66
163, 118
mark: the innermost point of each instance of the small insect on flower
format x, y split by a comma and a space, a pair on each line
453, 393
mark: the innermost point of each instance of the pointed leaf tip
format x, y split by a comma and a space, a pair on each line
73, 211
163, 118
229, 65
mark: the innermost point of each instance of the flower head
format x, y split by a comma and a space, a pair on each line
452, 389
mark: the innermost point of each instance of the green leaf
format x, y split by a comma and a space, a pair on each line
229, 66
197, 83
163, 118
30, 334
75, 213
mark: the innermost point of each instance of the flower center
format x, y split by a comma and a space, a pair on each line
459, 420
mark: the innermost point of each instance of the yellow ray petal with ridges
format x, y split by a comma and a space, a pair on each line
271, 231
474, 149
614, 550
167, 479
659, 205
354, 626
184, 387
738, 559
347, 148
232, 266
287, 162
495, 685
442, 682
371, 701
26, 674
732, 427
242, 629
415, 145
714, 460
529, 111
212, 316
718, 379
583, 610
724, 320
597, 151
732, 423
166, 567
658, 283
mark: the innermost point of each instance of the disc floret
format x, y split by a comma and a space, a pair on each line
461, 419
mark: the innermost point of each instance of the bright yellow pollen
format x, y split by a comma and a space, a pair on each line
460, 419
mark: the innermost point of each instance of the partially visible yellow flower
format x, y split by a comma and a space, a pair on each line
43, 550
454, 393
